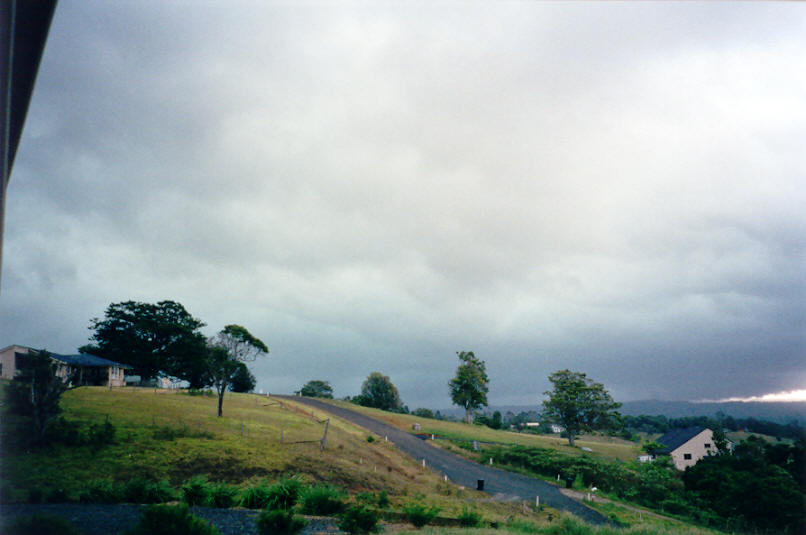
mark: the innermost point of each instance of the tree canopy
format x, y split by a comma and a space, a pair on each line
470, 386
579, 404
317, 389
226, 355
379, 392
155, 339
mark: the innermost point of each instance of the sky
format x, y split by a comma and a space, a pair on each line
611, 188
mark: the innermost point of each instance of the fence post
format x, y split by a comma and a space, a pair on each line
324, 436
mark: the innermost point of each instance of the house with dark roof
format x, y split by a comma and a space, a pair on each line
85, 369
687, 446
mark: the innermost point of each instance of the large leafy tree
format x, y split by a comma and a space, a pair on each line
228, 350
155, 339
470, 386
242, 379
579, 404
35, 392
379, 392
317, 389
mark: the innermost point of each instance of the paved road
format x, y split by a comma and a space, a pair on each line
459, 470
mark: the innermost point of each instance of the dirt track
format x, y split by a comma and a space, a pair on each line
501, 484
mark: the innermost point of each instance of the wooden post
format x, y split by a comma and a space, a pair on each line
281, 436
537, 502
324, 436
423, 463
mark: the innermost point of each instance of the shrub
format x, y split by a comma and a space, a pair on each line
255, 497
322, 500
171, 520
279, 522
469, 518
101, 491
140, 490
366, 497
222, 495
420, 515
370, 439
57, 496
196, 491
359, 519
383, 499
42, 524
284, 494
35, 495
100, 435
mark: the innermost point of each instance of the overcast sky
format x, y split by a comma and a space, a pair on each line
618, 189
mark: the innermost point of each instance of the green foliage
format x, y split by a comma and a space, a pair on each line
423, 413
379, 392
419, 515
141, 490
370, 439
35, 392
171, 520
322, 500
196, 491
242, 379
579, 404
154, 338
222, 495
317, 389
469, 518
383, 499
256, 497
470, 386
102, 491
172, 433
279, 522
284, 494
359, 519
41, 524
101, 435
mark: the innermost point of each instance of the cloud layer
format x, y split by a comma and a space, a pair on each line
615, 189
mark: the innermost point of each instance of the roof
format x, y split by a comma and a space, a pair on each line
677, 437
88, 361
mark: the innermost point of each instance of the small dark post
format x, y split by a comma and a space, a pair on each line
324, 437
480, 484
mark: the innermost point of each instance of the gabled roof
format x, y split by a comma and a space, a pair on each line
677, 437
87, 361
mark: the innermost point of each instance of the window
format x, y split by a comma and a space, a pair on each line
707, 446
687, 456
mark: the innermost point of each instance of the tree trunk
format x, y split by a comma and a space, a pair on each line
570, 439
220, 402
468, 416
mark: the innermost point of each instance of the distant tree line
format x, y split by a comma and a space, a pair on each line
662, 424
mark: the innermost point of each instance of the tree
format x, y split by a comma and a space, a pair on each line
379, 392
229, 349
35, 392
579, 404
242, 379
317, 389
156, 339
470, 386
423, 413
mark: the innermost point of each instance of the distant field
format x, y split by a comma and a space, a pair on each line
609, 447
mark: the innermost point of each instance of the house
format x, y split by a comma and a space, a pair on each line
556, 429
89, 370
687, 446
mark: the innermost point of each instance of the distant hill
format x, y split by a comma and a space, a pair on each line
782, 413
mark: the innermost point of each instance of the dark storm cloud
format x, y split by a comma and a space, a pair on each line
611, 188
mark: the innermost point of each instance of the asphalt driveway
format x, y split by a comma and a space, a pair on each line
500, 483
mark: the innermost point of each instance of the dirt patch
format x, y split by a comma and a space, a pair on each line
219, 468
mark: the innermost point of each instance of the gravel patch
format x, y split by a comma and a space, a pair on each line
103, 519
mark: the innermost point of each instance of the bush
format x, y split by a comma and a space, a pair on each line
255, 497
100, 435
101, 491
42, 524
57, 496
284, 494
420, 515
35, 495
469, 518
222, 495
279, 522
196, 491
370, 439
359, 519
171, 520
383, 499
322, 500
140, 490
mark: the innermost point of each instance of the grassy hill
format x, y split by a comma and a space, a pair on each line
172, 436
